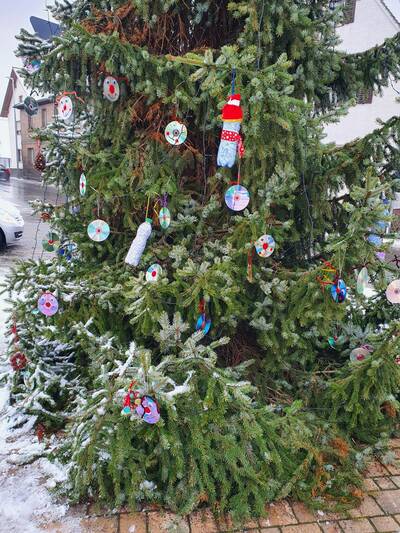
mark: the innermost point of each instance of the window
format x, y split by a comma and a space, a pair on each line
18, 126
349, 9
364, 96
31, 155
44, 117
19, 155
30, 122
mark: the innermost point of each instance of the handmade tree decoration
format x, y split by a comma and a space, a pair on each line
51, 242
31, 106
111, 89
98, 230
265, 246
164, 216
237, 197
40, 161
145, 407
82, 184
153, 273
393, 292
18, 361
339, 291
48, 304
139, 243
231, 140
176, 133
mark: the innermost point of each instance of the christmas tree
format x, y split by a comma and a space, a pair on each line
203, 333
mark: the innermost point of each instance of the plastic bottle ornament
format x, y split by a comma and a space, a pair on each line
111, 89
362, 281
237, 197
82, 184
265, 245
231, 140
393, 292
339, 291
51, 242
40, 162
18, 361
139, 243
48, 304
153, 273
65, 108
98, 230
68, 250
175, 133
31, 106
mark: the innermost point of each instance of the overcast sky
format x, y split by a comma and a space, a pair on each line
15, 15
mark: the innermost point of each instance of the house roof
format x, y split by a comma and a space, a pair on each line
393, 6
9, 93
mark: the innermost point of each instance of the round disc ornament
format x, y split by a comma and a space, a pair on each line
164, 217
82, 184
48, 304
265, 245
51, 242
339, 291
374, 239
65, 108
111, 89
31, 106
98, 230
362, 280
393, 292
153, 273
237, 198
359, 354
176, 133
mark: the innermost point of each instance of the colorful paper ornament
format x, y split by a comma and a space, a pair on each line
82, 184
145, 407
203, 324
65, 108
98, 230
265, 245
339, 291
361, 353
40, 162
362, 280
31, 106
139, 243
111, 89
48, 304
237, 197
68, 250
51, 242
175, 133
231, 140
18, 361
32, 66
393, 292
153, 273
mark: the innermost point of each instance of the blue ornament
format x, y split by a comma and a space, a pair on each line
374, 239
203, 324
339, 291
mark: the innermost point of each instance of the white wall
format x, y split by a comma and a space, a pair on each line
13, 116
371, 26
5, 149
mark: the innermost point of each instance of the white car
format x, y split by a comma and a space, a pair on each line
11, 224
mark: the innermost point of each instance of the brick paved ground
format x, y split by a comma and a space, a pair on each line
378, 513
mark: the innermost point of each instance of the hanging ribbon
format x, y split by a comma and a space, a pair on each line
68, 93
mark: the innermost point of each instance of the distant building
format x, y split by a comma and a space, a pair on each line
22, 146
5, 149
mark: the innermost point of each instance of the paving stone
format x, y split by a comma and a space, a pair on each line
389, 500
385, 483
375, 469
356, 526
132, 523
394, 469
394, 443
369, 485
202, 522
396, 480
302, 528
368, 507
330, 527
302, 513
269, 530
163, 522
385, 524
99, 525
397, 517
279, 514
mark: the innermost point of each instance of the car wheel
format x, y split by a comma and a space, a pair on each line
3, 242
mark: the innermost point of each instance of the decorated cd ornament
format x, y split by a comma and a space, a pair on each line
68, 250
50, 242
65, 108
237, 198
138, 245
176, 133
145, 407
361, 353
231, 140
164, 217
48, 304
111, 89
82, 184
31, 106
265, 245
98, 230
362, 280
393, 292
374, 239
339, 291
153, 273
18, 361
203, 324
